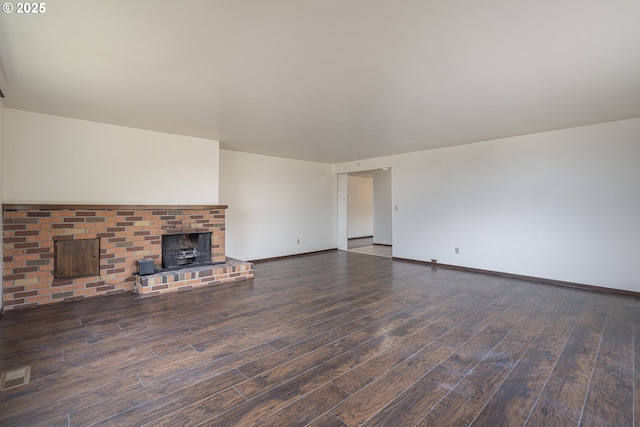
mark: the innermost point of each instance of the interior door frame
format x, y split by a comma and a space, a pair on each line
342, 203
343, 239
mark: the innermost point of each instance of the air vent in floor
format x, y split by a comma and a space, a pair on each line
15, 378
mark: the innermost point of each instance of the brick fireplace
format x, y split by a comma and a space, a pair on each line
124, 235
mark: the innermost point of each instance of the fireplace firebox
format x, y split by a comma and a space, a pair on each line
186, 250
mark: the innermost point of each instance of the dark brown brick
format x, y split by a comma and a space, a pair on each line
38, 214
26, 233
15, 239
14, 227
25, 269
39, 250
25, 294
58, 226
72, 219
26, 245
94, 284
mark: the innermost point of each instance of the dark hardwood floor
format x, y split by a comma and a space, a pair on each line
331, 339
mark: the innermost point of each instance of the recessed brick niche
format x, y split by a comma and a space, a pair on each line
126, 234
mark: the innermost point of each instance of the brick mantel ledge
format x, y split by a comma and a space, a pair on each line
26, 206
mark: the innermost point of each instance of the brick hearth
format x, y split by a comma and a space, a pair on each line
127, 234
194, 277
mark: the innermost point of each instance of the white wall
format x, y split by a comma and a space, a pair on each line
57, 160
382, 206
273, 202
561, 205
359, 207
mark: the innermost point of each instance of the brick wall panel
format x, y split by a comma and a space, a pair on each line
28, 242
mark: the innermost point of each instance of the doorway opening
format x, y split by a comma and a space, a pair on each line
365, 212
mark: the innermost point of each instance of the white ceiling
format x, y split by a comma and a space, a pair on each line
327, 80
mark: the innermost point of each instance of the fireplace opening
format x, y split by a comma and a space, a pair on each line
186, 250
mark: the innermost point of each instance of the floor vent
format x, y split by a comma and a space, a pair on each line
15, 378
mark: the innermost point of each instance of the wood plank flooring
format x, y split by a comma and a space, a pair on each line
330, 339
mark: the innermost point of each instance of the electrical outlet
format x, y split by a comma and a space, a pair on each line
434, 261
396, 207
457, 250
298, 241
